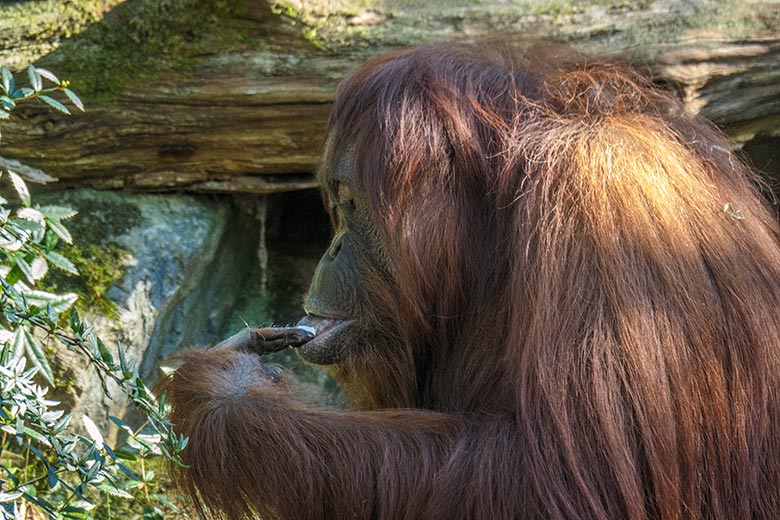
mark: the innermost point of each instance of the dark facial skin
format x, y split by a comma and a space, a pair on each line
333, 304
332, 331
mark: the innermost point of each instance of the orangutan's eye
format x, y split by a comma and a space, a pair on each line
343, 195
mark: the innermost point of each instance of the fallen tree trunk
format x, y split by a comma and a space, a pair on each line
203, 97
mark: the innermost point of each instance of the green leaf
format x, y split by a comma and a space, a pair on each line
17, 344
35, 78
37, 436
39, 268
161, 404
126, 372
127, 471
27, 225
62, 423
50, 241
22, 264
30, 214
52, 477
38, 357
82, 505
122, 424
35, 230
48, 75
113, 490
56, 105
94, 434
62, 232
143, 443
93, 472
50, 318
9, 497
74, 98
105, 355
4, 114
126, 454
38, 454
20, 187
165, 452
8, 103
58, 212
40, 502
60, 261
141, 387
13, 276
77, 513
57, 302
152, 513
23, 92
75, 510
7, 79
76, 324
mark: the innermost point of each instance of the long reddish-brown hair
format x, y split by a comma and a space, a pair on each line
582, 319
577, 253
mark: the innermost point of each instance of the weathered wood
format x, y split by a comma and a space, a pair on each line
736, 84
249, 116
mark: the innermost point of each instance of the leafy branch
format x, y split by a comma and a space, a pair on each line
46, 463
12, 95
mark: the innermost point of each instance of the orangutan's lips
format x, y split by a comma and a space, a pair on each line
318, 325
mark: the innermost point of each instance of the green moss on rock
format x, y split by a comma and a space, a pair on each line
33, 28
100, 268
99, 260
145, 38
105, 219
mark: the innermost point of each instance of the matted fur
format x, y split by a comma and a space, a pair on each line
585, 322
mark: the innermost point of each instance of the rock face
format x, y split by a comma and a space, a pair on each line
173, 284
164, 272
211, 96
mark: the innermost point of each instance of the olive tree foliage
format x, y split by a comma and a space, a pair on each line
53, 464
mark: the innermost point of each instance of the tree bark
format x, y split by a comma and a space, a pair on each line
239, 102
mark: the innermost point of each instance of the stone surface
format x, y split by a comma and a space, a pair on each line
160, 273
233, 96
175, 285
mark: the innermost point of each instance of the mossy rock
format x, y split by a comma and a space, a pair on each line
143, 39
100, 261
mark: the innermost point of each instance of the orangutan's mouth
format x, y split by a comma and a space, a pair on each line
320, 326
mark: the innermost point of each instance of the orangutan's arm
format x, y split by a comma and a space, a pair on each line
253, 448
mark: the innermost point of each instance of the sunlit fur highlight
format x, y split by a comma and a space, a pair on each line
584, 321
